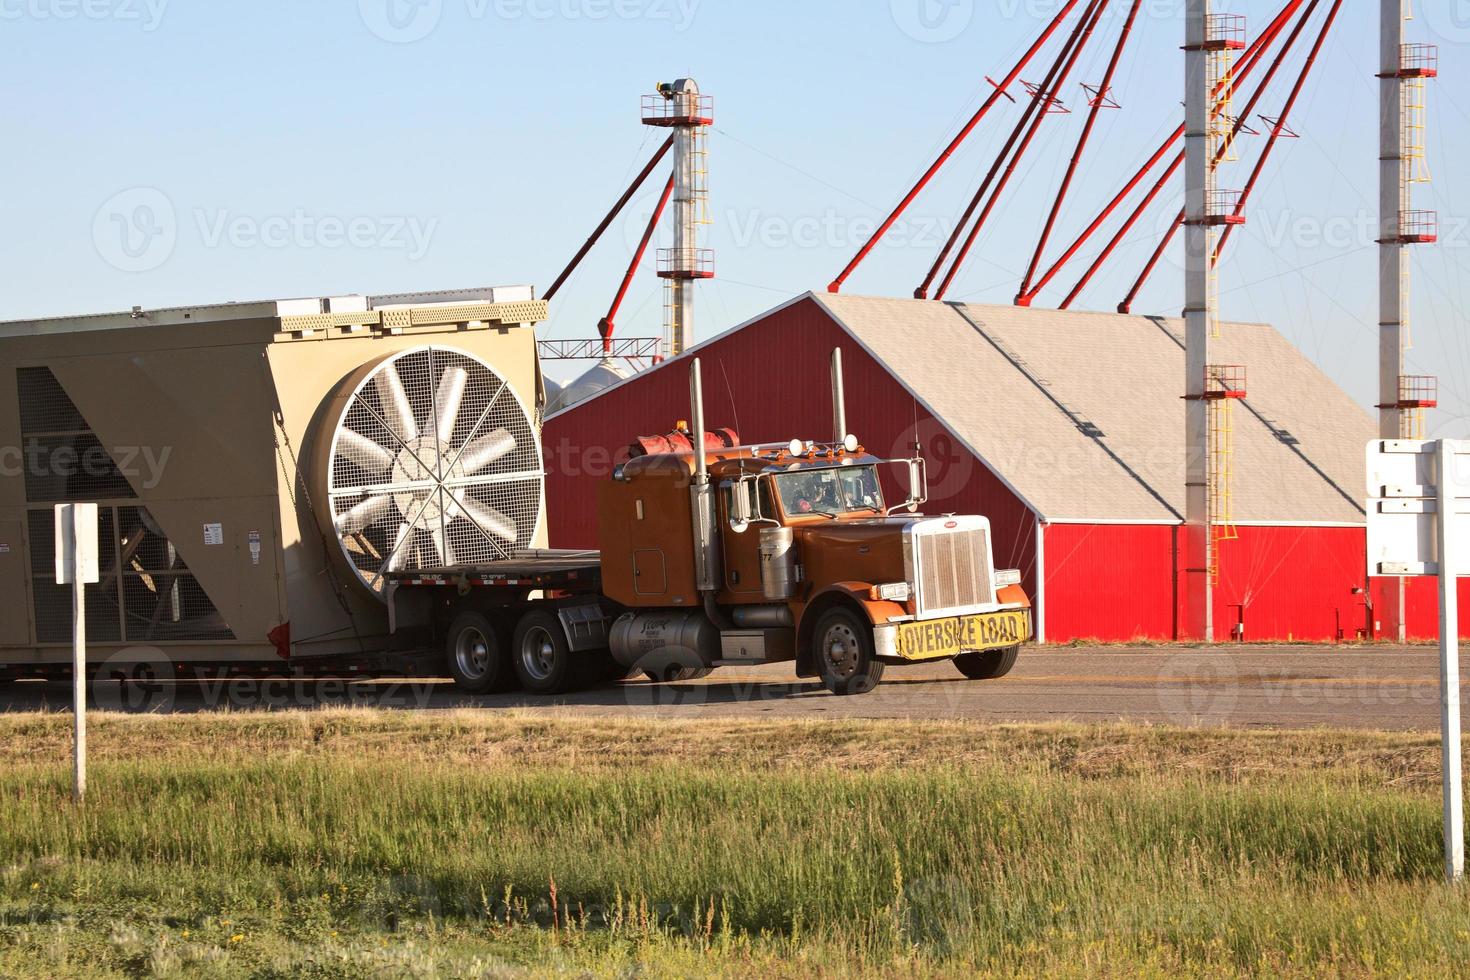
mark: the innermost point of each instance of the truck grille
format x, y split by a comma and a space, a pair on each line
952, 570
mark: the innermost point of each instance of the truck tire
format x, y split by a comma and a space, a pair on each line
476, 654
987, 664
843, 652
543, 659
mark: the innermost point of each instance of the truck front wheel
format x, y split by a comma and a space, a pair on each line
477, 655
987, 664
844, 653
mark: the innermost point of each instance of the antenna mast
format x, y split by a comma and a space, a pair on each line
679, 106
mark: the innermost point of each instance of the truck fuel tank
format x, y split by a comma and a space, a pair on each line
656, 642
778, 562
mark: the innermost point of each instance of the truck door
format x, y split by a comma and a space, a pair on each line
742, 551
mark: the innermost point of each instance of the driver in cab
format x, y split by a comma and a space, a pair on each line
814, 493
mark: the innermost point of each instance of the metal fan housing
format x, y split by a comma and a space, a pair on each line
429, 461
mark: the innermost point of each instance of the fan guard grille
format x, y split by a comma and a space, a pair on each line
434, 463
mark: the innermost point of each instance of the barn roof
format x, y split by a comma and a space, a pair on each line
1082, 415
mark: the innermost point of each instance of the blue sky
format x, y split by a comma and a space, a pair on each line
279, 148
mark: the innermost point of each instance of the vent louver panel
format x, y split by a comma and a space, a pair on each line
62, 458
146, 593
161, 598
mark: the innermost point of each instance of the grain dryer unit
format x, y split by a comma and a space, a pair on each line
262, 467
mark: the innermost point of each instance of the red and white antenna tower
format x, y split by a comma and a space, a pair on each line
1211, 41
1403, 75
679, 106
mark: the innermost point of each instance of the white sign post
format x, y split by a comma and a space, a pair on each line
1419, 494
1451, 490
77, 566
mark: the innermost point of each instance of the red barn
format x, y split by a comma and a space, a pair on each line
1066, 430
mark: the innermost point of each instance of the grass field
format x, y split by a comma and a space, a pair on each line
468, 844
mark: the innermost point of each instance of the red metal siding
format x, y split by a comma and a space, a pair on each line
1117, 583
770, 381
1109, 582
1421, 604
1296, 583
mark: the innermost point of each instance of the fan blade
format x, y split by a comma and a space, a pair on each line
447, 401
398, 557
397, 410
442, 545
485, 450
363, 451
488, 518
363, 514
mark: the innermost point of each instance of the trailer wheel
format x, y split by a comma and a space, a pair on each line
843, 653
987, 664
476, 655
543, 659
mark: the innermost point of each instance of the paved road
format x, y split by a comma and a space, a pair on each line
1382, 687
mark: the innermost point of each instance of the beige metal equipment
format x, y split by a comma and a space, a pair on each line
260, 466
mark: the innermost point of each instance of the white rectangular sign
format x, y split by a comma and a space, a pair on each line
1402, 485
76, 544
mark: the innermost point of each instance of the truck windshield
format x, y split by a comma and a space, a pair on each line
840, 490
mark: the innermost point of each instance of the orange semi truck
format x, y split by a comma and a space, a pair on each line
738, 556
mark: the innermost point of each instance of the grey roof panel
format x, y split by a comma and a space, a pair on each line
1083, 413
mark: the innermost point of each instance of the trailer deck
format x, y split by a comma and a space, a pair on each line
563, 570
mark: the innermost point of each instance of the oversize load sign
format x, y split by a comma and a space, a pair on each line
947, 637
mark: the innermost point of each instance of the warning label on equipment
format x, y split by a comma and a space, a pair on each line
214, 534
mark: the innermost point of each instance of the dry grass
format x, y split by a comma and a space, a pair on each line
516, 739
462, 843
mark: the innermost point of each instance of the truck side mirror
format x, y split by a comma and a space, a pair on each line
740, 515
916, 481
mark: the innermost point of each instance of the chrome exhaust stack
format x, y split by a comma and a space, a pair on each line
839, 400
701, 495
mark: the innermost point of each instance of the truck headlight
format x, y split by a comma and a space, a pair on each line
1007, 576
892, 592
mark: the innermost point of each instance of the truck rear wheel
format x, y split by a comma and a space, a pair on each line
543, 659
476, 655
844, 653
987, 664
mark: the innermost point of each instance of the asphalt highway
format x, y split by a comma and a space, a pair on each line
1283, 687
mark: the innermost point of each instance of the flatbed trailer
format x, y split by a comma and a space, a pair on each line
560, 570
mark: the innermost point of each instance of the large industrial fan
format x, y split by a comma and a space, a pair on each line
432, 462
